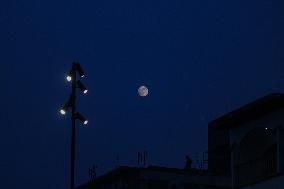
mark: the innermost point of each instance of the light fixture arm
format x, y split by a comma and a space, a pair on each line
73, 129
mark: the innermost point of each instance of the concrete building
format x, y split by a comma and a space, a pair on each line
248, 144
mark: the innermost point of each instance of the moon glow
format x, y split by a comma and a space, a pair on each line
143, 91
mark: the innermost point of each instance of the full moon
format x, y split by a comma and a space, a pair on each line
143, 91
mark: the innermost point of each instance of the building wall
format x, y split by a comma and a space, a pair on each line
219, 154
273, 183
272, 120
153, 179
281, 150
257, 149
168, 180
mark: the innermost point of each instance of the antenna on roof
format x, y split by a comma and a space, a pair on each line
139, 157
188, 164
93, 172
117, 160
142, 158
145, 155
205, 160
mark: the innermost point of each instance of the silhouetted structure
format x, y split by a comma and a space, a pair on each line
245, 151
71, 104
93, 172
154, 177
188, 162
248, 144
142, 158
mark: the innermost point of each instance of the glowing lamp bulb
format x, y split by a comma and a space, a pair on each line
68, 78
86, 122
63, 112
85, 91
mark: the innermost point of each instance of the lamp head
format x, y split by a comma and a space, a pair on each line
79, 69
66, 106
81, 118
82, 87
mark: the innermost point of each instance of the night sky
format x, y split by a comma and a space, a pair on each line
199, 59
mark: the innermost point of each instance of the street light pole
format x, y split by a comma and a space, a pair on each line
73, 129
71, 104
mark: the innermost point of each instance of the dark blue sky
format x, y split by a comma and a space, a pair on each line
199, 59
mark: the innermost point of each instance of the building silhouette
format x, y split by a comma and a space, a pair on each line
248, 144
154, 177
245, 151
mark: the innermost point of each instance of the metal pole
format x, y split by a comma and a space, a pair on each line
73, 130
